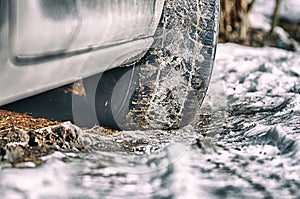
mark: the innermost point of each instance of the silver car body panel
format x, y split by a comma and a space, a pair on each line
48, 43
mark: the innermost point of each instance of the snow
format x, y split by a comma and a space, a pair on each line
267, 68
270, 73
262, 12
290, 9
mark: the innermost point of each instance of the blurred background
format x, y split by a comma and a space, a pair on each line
258, 23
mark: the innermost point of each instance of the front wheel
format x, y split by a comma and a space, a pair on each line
164, 89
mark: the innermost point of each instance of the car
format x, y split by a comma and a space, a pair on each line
145, 64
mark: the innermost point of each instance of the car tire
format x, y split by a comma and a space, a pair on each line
165, 88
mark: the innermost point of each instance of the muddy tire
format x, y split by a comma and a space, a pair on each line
164, 89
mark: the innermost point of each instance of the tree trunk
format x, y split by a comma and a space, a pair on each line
234, 21
275, 16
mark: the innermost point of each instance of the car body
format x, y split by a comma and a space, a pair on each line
45, 44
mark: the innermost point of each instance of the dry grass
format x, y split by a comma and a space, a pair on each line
10, 119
